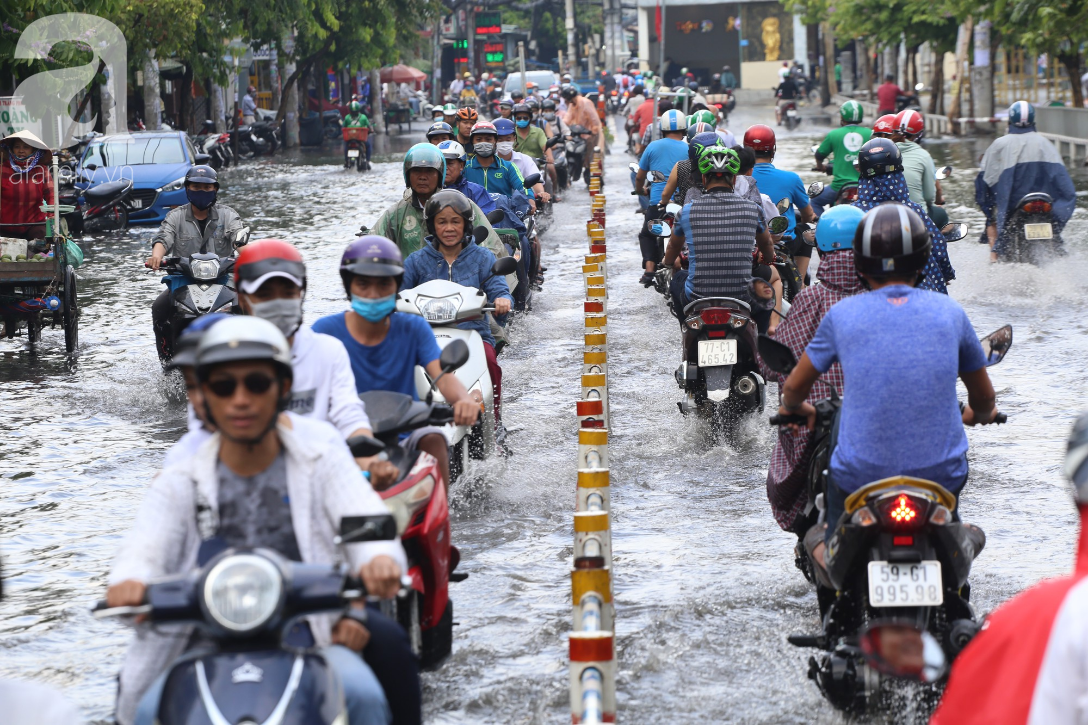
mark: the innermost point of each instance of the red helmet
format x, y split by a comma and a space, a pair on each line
760, 139
885, 126
267, 258
910, 123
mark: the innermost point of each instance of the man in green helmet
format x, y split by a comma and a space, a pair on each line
842, 144
355, 118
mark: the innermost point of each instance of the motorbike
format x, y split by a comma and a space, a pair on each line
215, 145
789, 114
558, 145
910, 100
248, 604
255, 140
1029, 231
576, 151
443, 304
418, 503
200, 285
331, 125
897, 551
355, 138
848, 193
98, 209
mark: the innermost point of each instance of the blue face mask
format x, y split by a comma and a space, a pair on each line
200, 199
522, 123
374, 310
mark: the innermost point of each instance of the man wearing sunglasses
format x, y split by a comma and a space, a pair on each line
263, 480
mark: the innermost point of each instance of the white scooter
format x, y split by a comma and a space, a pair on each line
444, 304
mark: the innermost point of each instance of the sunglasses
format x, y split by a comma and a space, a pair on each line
255, 383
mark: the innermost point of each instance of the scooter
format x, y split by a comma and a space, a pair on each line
1029, 231
789, 114
443, 304
248, 604
576, 151
96, 210
355, 138
848, 193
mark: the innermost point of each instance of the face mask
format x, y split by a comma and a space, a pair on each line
484, 149
374, 310
200, 199
549, 116
505, 148
522, 123
285, 314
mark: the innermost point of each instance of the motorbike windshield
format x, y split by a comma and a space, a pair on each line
135, 151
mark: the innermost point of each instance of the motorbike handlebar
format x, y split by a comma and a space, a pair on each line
788, 419
101, 610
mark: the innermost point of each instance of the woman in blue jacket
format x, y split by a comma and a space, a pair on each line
450, 253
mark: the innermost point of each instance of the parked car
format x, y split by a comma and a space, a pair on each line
155, 161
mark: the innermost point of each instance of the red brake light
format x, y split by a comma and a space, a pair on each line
903, 513
715, 316
1037, 207
850, 194
715, 333
903, 541
904, 510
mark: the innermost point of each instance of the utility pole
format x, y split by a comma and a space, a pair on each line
661, 51
572, 51
470, 34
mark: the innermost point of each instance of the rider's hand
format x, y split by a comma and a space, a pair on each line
806, 410
502, 306
129, 593
970, 418
350, 634
466, 412
157, 253
381, 576
545, 197
382, 473
532, 206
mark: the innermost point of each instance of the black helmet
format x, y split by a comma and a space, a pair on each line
521, 108
548, 105
452, 198
568, 91
694, 85
878, 157
201, 174
891, 240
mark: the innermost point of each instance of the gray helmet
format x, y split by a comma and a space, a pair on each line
201, 174
242, 337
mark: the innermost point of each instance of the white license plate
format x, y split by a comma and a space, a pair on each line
715, 353
905, 585
1038, 231
136, 203
791, 112
353, 153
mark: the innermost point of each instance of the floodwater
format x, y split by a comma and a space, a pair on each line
706, 590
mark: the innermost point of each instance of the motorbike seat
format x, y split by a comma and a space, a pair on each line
393, 413
108, 192
705, 302
927, 489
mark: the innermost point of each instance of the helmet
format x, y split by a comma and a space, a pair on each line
424, 156
440, 127
648, 74
705, 115
836, 227
1022, 114
467, 74
694, 85
484, 76
1075, 455
760, 139
355, 107
910, 123
548, 105
508, 102
185, 347
890, 240
503, 126
568, 91
672, 120
532, 103
264, 259
483, 127
879, 156
699, 142
696, 128
851, 112
449, 109
885, 126
453, 151
452, 198
467, 114
371, 256
201, 174
522, 108
719, 160
241, 337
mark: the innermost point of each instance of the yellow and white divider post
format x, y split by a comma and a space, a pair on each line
592, 645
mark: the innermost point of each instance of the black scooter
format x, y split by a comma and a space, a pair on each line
246, 602
96, 210
1030, 232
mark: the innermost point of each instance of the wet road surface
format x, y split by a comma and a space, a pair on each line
706, 590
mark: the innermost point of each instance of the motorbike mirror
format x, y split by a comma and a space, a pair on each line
633, 167
815, 147
504, 266
531, 180
554, 140
359, 529
496, 216
777, 355
814, 189
808, 236
661, 229
996, 344
202, 158
365, 446
955, 231
919, 86
673, 209
902, 649
783, 205
943, 173
241, 237
480, 234
778, 225
455, 354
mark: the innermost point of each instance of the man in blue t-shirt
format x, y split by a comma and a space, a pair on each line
660, 156
385, 346
902, 350
781, 184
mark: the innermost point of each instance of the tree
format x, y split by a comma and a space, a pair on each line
1057, 28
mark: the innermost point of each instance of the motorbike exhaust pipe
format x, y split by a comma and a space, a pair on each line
745, 385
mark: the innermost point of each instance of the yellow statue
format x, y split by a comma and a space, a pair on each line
772, 41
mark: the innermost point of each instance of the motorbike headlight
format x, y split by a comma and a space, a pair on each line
242, 592
205, 269
174, 185
439, 309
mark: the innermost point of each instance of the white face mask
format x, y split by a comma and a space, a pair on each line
285, 314
505, 148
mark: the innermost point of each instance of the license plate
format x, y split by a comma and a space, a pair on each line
905, 585
353, 153
715, 353
136, 203
1038, 231
791, 112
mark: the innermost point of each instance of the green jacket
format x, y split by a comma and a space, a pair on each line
403, 223
360, 121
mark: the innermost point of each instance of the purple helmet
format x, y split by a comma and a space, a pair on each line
371, 256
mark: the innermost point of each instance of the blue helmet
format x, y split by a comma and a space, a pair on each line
672, 120
700, 142
185, 348
504, 126
424, 156
836, 228
1021, 114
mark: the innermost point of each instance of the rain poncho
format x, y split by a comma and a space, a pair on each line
893, 187
788, 469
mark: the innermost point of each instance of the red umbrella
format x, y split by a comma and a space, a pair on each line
401, 73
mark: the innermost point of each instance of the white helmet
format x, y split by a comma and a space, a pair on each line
243, 338
453, 151
672, 120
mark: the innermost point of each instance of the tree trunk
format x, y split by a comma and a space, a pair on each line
1071, 61
829, 59
963, 39
936, 93
152, 102
185, 106
866, 68
378, 110
303, 67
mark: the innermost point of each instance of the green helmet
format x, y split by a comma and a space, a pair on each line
356, 107
424, 156
648, 74
851, 112
706, 116
719, 160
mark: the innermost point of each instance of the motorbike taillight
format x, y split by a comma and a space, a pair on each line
850, 194
903, 512
1036, 207
715, 316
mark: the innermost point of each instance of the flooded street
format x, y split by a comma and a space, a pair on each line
705, 585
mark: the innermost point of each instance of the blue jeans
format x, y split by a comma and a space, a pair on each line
823, 199
643, 201
366, 703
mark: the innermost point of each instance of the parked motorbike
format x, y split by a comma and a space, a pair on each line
247, 604
443, 304
99, 209
1029, 231
897, 552
331, 126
